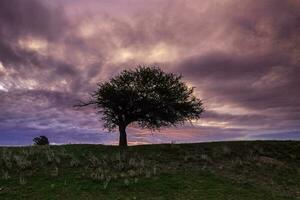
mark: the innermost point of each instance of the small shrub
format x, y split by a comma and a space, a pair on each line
7, 163
93, 161
22, 180
204, 157
132, 162
98, 174
41, 140
50, 156
131, 173
74, 162
226, 150
154, 170
22, 162
57, 160
54, 172
105, 184
126, 182
5, 175
148, 174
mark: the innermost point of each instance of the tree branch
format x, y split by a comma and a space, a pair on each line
82, 104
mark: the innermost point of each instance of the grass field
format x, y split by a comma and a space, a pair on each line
259, 170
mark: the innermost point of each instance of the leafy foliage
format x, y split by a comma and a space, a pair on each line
41, 140
147, 96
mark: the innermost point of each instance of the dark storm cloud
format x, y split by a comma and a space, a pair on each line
30, 20
256, 81
23, 105
282, 16
27, 18
30, 17
35, 20
266, 85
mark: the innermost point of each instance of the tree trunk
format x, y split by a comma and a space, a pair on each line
123, 136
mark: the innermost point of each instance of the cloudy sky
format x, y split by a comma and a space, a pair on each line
243, 57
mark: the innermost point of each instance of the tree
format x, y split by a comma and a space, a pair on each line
41, 140
146, 96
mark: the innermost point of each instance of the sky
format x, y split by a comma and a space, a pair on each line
243, 58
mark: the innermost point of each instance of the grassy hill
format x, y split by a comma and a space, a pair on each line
259, 170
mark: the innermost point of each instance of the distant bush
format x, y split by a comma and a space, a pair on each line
41, 140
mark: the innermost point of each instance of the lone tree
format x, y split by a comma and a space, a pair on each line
146, 96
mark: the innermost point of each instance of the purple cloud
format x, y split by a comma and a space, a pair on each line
243, 59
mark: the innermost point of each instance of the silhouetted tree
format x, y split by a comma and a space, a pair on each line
146, 96
41, 140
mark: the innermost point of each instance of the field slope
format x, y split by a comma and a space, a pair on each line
258, 170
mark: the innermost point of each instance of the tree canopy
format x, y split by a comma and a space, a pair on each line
41, 140
146, 96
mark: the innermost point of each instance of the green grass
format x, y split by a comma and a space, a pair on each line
222, 170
